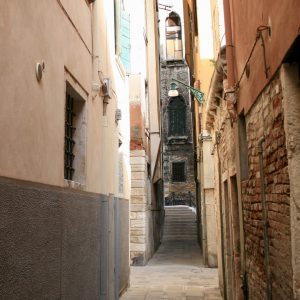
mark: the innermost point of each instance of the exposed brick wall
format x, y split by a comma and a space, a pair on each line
137, 127
266, 118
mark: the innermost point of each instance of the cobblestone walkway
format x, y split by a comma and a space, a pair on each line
175, 272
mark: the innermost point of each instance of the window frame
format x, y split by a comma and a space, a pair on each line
175, 113
80, 95
181, 177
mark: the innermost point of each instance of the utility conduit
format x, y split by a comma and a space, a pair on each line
265, 219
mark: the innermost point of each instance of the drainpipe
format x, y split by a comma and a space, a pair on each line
100, 86
203, 214
221, 218
229, 45
96, 85
265, 219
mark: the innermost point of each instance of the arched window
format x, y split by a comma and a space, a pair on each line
177, 116
173, 37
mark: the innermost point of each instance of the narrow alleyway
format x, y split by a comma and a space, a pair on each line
176, 270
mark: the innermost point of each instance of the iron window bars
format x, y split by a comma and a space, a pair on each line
69, 141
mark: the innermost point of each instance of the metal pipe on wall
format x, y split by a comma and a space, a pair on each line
229, 45
96, 44
221, 218
265, 219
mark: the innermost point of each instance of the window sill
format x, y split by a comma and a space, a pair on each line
74, 185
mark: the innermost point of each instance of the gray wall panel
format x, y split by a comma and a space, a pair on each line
49, 242
124, 243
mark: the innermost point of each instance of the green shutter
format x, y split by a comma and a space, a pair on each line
125, 40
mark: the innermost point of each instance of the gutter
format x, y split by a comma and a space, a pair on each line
229, 45
221, 218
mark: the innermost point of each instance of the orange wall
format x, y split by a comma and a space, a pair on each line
246, 16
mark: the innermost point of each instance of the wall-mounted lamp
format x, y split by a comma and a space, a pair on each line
197, 93
173, 92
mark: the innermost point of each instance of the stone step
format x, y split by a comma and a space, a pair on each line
180, 224
179, 228
180, 218
180, 238
181, 221
180, 215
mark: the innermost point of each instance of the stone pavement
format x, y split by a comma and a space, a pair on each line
175, 272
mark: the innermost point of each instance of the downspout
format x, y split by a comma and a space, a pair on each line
221, 218
96, 88
265, 219
96, 84
229, 45
100, 86
230, 90
202, 212
196, 177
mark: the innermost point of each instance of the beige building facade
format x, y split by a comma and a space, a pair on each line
202, 22
64, 159
146, 202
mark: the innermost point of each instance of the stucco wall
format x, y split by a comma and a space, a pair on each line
33, 114
283, 17
32, 121
52, 232
289, 76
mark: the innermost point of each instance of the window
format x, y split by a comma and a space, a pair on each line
75, 126
177, 116
178, 171
173, 37
122, 34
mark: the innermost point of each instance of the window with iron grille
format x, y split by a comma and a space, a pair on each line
178, 171
177, 116
69, 141
74, 160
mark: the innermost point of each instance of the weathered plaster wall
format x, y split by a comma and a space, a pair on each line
254, 14
289, 76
